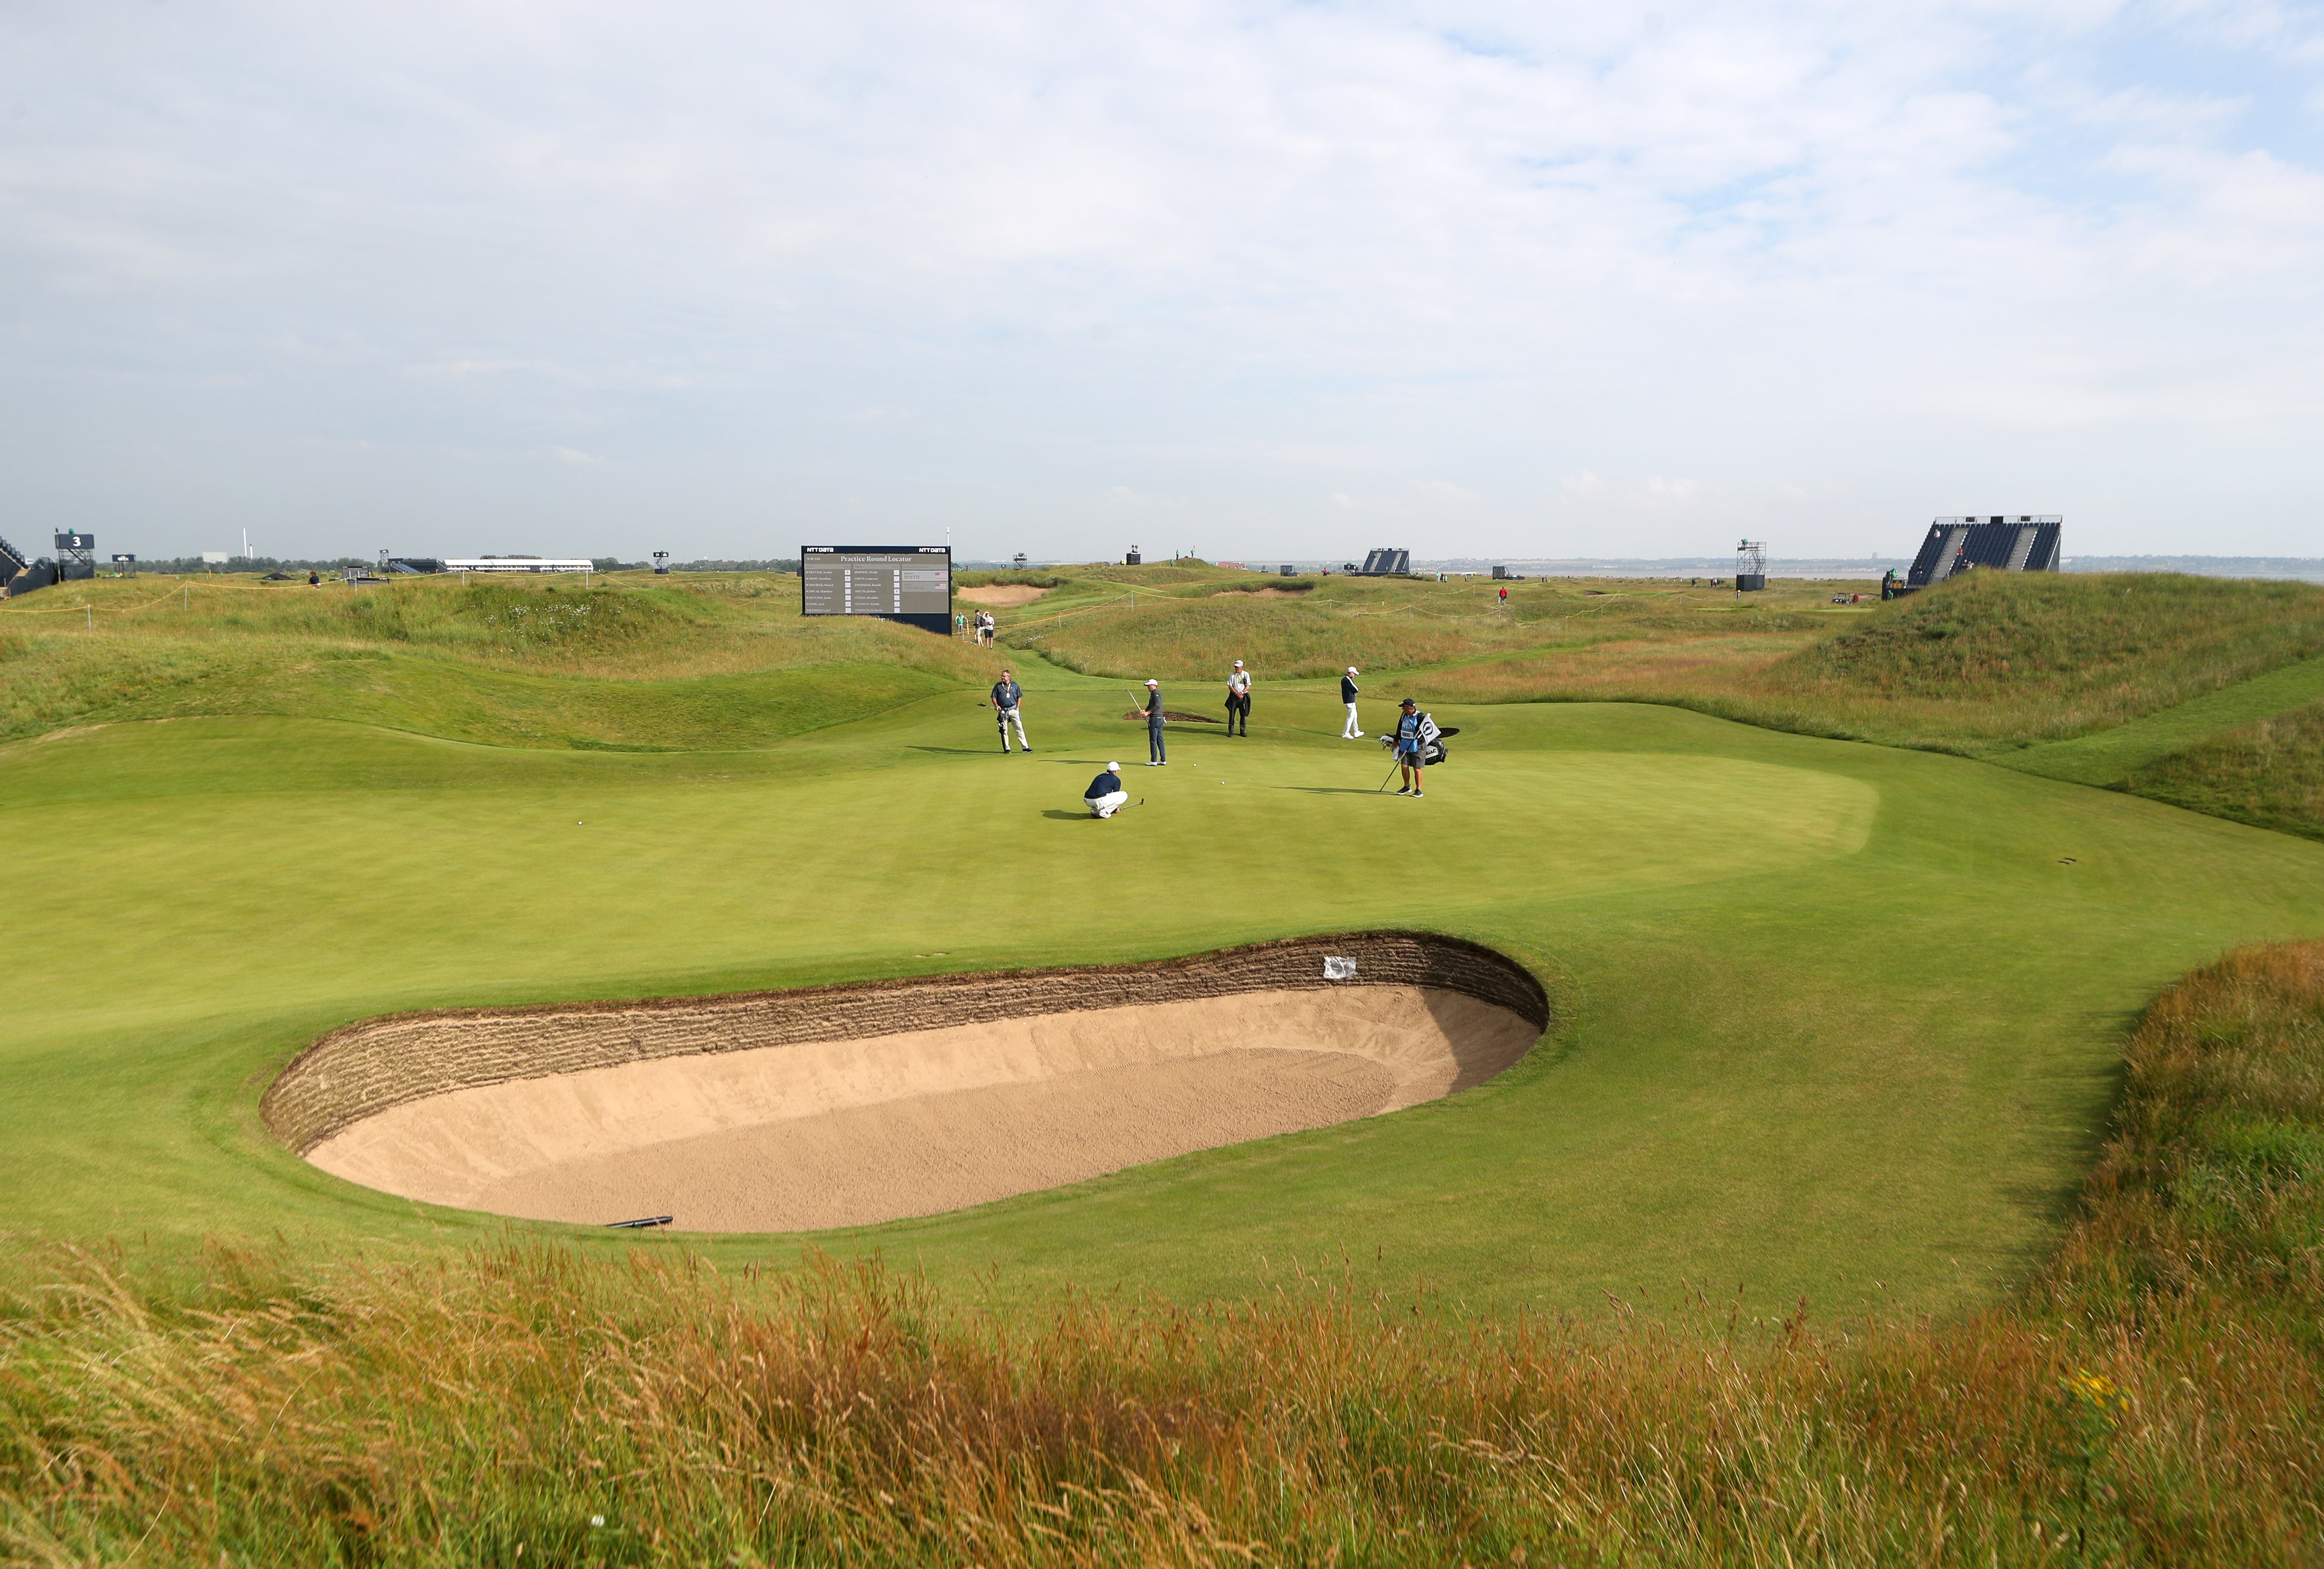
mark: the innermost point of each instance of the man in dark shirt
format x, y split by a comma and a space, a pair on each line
1007, 696
1157, 756
1105, 795
1348, 690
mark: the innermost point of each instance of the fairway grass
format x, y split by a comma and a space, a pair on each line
1833, 1021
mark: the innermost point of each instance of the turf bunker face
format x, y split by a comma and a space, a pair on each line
848, 1105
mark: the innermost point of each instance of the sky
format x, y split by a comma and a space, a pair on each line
1256, 281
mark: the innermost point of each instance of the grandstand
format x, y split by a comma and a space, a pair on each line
21, 575
2024, 543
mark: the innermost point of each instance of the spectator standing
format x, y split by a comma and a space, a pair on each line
1008, 696
1156, 754
1348, 690
1239, 697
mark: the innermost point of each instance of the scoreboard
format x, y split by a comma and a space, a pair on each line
907, 582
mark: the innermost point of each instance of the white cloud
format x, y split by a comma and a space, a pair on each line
975, 264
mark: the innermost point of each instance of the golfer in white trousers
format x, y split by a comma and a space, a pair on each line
1105, 795
1348, 690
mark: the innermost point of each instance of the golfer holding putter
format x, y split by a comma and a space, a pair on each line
1239, 698
1105, 795
1157, 756
1408, 745
1006, 695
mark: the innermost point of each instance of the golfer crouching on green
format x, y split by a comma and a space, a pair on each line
1105, 795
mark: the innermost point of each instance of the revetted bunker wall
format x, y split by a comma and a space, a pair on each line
364, 1068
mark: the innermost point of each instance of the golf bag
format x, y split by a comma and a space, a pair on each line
1432, 749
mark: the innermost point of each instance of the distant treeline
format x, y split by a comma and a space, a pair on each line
261, 564
266, 564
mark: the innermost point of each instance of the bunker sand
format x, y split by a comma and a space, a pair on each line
853, 1131
1000, 595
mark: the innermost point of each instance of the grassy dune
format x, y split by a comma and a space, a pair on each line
1989, 661
2014, 658
2151, 1397
2269, 774
715, 661
1186, 624
1985, 664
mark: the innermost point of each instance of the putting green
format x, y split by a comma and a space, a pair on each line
1835, 1020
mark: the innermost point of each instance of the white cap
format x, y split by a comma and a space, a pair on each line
1112, 767
1238, 664
1153, 683
1353, 672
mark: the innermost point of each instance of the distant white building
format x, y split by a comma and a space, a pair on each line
520, 564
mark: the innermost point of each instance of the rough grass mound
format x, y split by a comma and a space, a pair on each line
653, 664
2121, 642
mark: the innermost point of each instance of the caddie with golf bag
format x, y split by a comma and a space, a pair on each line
1417, 743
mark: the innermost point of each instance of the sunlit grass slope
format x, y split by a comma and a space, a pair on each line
1790, 1053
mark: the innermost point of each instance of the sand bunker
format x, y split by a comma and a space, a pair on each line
803, 1110
1000, 595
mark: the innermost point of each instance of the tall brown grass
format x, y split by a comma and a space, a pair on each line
2155, 1397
